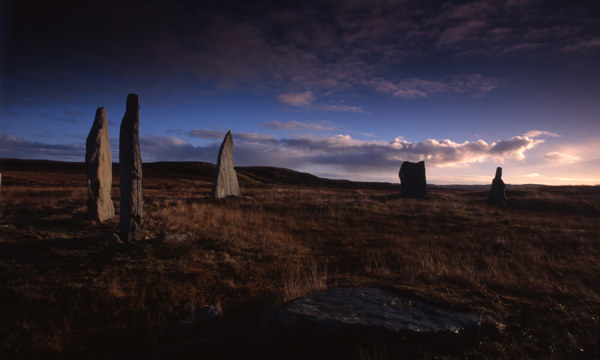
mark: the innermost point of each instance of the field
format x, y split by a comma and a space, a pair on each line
66, 291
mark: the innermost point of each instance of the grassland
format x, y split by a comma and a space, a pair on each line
67, 291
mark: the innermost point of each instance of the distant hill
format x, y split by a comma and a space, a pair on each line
193, 170
205, 171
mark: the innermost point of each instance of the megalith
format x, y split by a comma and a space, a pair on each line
130, 167
412, 179
497, 193
98, 161
225, 183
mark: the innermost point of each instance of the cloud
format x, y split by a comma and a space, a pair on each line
15, 147
556, 156
46, 115
254, 137
515, 147
75, 113
304, 99
583, 45
340, 108
207, 134
171, 148
473, 84
325, 46
339, 153
295, 126
533, 175
340, 156
464, 31
536, 133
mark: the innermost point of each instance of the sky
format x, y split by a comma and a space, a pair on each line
340, 89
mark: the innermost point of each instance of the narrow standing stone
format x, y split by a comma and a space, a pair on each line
226, 183
130, 165
98, 162
497, 193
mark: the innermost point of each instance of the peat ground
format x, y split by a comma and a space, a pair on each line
66, 291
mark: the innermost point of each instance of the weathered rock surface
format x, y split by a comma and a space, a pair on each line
497, 192
177, 239
98, 160
412, 179
225, 183
130, 166
335, 309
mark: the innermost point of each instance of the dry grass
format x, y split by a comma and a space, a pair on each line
533, 264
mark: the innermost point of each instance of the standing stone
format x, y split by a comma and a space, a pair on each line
130, 166
412, 179
497, 194
98, 161
226, 183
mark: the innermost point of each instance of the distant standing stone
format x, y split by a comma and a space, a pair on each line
130, 165
412, 179
497, 193
226, 183
98, 162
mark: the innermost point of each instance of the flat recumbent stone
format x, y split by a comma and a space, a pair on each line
339, 307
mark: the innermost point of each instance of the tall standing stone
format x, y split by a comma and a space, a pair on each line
412, 179
98, 161
497, 193
226, 183
130, 166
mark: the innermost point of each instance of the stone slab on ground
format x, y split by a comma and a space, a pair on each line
336, 308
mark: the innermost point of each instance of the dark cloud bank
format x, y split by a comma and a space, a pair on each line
305, 50
339, 151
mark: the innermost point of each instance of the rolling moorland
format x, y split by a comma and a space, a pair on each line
67, 290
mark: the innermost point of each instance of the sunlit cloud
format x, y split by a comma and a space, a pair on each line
337, 156
514, 147
536, 133
350, 156
533, 175
578, 180
556, 156
341, 150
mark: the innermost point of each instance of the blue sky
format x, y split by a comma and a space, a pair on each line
341, 89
